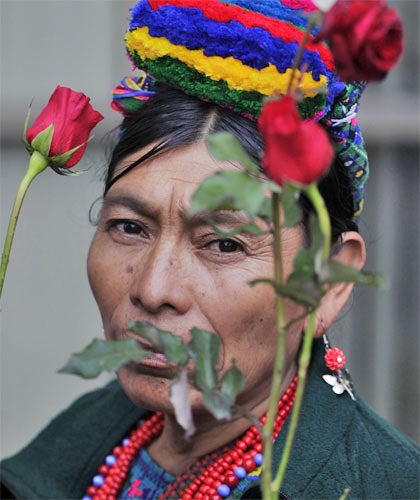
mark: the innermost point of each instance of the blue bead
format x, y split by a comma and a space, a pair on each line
86, 498
110, 460
223, 490
98, 480
258, 459
240, 472
125, 441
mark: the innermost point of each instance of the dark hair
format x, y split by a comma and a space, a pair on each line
171, 119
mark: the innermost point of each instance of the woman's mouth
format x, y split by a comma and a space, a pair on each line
154, 363
156, 360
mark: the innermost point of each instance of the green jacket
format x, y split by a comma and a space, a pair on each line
339, 444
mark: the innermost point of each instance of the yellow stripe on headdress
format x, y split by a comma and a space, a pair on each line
237, 75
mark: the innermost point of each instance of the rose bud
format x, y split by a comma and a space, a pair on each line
296, 150
365, 38
61, 131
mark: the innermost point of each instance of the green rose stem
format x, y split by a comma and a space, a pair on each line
271, 488
268, 493
304, 360
313, 21
37, 164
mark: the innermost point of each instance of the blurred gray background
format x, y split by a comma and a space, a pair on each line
47, 310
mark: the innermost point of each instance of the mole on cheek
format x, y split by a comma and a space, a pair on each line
129, 269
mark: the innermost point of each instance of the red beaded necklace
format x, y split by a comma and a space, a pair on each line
213, 477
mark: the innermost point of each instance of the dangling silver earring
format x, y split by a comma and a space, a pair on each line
335, 360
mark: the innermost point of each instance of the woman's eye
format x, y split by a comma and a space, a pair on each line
126, 227
228, 246
130, 227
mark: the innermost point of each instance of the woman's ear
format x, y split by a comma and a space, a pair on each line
351, 252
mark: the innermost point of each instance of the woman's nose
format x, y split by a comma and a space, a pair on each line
160, 280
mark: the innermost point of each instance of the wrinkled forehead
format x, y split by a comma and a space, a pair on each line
172, 176
186, 165
167, 182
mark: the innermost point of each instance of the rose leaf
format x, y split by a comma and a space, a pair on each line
171, 345
217, 404
229, 190
204, 348
335, 272
232, 382
103, 355
302, 292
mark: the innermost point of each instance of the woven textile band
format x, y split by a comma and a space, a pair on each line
234, 53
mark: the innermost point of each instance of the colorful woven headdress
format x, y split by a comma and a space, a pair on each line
234, 53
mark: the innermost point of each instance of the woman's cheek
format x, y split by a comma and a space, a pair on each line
102, 270
96, 260
248, 317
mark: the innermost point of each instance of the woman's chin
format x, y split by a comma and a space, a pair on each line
147, 387
147, 384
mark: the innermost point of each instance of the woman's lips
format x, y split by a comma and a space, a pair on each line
156, 360
154, 363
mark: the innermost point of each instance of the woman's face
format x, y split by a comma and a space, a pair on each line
150, 260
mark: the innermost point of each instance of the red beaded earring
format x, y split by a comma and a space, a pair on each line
335, 360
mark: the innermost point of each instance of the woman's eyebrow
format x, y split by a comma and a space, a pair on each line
142, 207
137, 205
228, 217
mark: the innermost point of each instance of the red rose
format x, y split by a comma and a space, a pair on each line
295, 150
61, 131
365, 37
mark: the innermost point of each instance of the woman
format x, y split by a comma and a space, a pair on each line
150, 260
